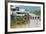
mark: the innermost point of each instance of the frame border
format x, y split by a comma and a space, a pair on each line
6, 17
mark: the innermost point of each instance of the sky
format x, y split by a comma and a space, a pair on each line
30, 7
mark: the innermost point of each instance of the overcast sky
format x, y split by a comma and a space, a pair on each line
30, 7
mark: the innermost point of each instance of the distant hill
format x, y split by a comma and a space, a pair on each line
37, 12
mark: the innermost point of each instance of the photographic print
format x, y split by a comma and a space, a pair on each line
24, 16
